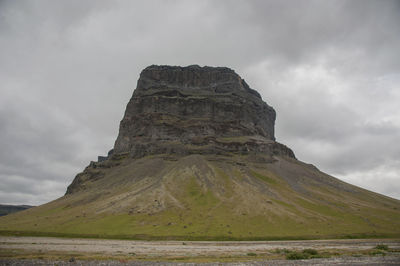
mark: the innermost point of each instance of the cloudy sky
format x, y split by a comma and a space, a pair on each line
331, 70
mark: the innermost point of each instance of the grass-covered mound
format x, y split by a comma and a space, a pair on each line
214, 197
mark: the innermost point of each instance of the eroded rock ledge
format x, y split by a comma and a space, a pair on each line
196, 109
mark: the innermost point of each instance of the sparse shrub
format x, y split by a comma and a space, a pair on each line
281, 251
310, 251
285, 251
377, 252
251, 254
382, 247
294, 255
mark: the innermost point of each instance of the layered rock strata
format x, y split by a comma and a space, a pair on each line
203, 110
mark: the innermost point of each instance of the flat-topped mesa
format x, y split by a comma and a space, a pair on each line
195, 109
194, 79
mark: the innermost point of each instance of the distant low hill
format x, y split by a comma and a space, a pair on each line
7, 209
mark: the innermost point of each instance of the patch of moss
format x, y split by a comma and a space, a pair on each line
382, 247
265, 178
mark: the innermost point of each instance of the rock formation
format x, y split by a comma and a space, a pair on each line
196, 159
201, 110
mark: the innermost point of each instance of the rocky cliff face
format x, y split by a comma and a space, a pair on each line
196, 109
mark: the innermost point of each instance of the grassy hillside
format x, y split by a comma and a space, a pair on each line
210, 197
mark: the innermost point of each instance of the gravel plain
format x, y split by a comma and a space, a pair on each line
182, 248
159, 249
343, 261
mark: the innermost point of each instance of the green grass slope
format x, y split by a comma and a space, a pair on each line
210, 197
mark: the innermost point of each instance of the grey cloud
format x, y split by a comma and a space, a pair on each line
28, 190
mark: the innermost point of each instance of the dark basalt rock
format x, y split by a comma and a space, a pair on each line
178, 111
196, 109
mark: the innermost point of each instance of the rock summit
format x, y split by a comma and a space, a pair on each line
196, 110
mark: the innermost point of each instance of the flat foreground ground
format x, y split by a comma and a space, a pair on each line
41, 250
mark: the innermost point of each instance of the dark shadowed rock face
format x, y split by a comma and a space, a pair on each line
195, 109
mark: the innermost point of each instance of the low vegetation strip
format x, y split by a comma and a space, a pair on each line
195, 238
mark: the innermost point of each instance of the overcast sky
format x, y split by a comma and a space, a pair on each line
331, 70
